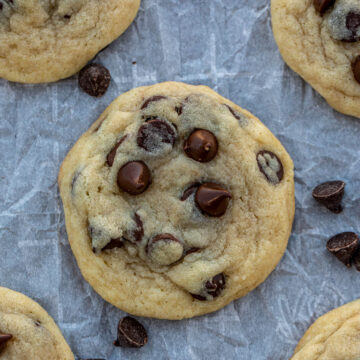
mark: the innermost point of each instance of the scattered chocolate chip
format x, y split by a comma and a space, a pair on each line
270, 165
94, 79
330, 194
114, 243
131, 333
134, 177
344, 246
213, 287
165, 249
356, 69
111, 156
201, 146
352, 24
212, 199
189, 191
322, 5
152, 99
4, 338
154, 134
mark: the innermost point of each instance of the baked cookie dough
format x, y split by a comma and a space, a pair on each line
176, 201
320, 40
334, 336
27, 332
48, 40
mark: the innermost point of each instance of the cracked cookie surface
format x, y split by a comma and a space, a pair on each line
320, 41
27, 332
176, 201
334, 336
48, 40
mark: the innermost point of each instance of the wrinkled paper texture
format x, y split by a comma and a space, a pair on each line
227, 45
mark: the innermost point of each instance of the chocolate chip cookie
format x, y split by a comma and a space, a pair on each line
335, 336
27, 332
320, 40
48, 40
176, 201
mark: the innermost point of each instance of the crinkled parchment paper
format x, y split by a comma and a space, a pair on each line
228, 45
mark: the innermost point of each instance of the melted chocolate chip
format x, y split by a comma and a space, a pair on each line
270, 165
138, 232
154, 134
67, 17
165, 249
134, 177
330, 194
213, 287
212, 199
152, 99
322, 6
344, 246
192, 250
114, 243
201, 146
356, 69
111, 156
4, 338
189, 191
131, 333
94, 79
234, 114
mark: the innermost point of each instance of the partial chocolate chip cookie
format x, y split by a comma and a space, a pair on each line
334, 336
176, 201
48, 40
27, 332
320, 40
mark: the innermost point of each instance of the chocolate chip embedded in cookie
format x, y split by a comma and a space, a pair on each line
131, 333
270, 165
323, 5
201, 145
156, 135
134, 177
212, 288
184, 200
165, 249
4, 338
356, 69
212, 199
344, 21
330, 194
344, 246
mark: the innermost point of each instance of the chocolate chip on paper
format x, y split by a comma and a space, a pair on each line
330, 194
344, 246
131, 333
94, 79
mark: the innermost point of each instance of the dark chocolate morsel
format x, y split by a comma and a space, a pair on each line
212, 199
356, 69
213, 287
330, 194
270, 165
130, 333
4, 338
134, 177
201, 145
153, 134
322, 6
67, 17
189, 191
344, 246
114, 243
94, 79
152, 99
111, 156
1, 6
138, 232
353, 24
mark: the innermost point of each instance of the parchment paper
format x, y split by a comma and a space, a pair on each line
228, 45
